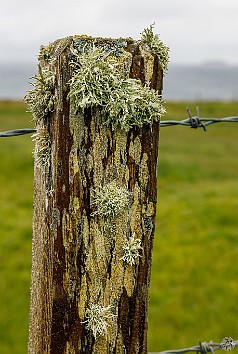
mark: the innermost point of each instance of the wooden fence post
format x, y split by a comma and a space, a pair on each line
95, 191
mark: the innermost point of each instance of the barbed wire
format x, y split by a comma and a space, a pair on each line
197, 122
16, 132
192, 121
227, 344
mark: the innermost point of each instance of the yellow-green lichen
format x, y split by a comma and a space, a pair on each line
124, 62
143, 171
148, 58
129, 280
135, 150
82, 296
148, 209
120, 347
100, 248
77, 126
120, 155
85, 231
70, 349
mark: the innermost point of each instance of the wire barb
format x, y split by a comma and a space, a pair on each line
197, 122
202, 348
192, 121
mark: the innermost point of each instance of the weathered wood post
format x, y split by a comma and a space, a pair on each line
94, 193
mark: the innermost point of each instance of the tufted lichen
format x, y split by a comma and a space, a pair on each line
131, 250
156, 46
125, 102
96, 319
93, 78
110, 200
46, 52
41, 99
42, 150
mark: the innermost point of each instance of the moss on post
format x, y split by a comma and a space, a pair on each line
95, 202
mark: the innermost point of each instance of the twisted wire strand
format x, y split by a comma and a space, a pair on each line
16, 132
192, 121
198, 122
202, 348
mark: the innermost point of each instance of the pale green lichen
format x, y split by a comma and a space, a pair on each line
125, 102
110, 200
45, 53
131, 250
41, 99
97, 319
93, 78
42, 150
156, 46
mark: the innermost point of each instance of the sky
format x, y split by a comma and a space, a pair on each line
196, 31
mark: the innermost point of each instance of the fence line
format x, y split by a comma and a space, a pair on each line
197, 122
192, 121
227, 344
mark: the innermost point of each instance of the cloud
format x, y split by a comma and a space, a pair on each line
195, 30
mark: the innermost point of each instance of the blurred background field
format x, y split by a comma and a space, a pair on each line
194, 285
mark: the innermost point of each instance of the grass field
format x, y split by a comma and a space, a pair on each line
194, 287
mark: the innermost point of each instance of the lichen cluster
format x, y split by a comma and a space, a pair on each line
131, 250
156, 46
96, 319
101, 78
42, 150
46, 52
125, 102
41, 99
110, 200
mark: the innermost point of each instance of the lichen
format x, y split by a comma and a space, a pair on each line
131, 250
97, 319
135, 150
149, 61
143, 171
46, 52
110, 200
42, 150
125, 102
41, 99
114, 47
156, 46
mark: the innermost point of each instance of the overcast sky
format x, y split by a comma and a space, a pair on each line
195, 30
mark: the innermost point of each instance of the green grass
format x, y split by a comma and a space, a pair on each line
16, 181
194, 286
